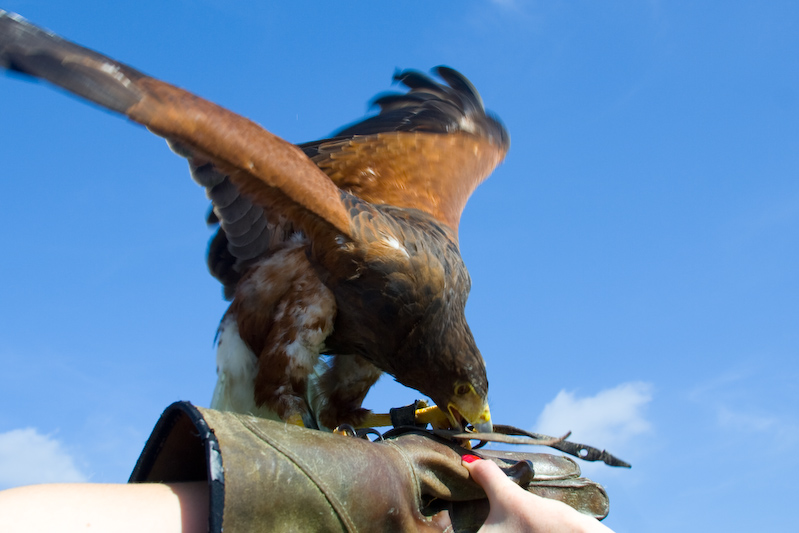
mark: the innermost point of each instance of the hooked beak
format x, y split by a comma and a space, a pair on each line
470, 407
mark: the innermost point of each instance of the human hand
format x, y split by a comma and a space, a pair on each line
515, 509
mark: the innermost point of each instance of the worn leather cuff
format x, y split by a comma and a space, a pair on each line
270, 476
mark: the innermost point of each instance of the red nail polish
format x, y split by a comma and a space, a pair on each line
470, 458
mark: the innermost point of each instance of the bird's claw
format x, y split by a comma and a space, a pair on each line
295, 419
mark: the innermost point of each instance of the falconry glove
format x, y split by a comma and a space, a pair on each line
271, 476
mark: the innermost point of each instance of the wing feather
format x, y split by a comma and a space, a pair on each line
270, 170
427, 149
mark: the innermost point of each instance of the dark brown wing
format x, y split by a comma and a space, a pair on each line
427, 149
271, 171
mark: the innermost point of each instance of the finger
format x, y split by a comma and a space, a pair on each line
487, 475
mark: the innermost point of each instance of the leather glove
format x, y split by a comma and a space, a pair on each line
271, 476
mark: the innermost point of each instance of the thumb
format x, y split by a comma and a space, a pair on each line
488, 475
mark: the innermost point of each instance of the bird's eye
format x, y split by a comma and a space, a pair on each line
460, 390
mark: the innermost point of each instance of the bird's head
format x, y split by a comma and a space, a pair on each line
463, 372
466, 404
453, 374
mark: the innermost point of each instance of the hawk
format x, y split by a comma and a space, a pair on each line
346, 247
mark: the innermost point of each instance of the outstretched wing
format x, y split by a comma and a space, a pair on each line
427, 149
271, 171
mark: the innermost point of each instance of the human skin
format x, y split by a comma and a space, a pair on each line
68, 508
515, 509
176, 507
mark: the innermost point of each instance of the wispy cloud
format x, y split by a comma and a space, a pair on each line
746, 401
27, 457
609, 419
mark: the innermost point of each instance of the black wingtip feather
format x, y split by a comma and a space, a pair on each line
417, 81
429, 106
460, 83
27, 49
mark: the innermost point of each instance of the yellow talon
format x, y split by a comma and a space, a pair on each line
296, 420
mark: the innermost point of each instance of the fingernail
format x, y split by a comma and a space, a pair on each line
470, 458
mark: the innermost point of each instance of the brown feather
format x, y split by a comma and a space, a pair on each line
237, 144
435, 173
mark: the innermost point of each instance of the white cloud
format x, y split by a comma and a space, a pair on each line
607, 420
27, 457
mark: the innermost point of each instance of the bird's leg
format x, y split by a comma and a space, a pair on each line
285, 313
344, 386
283, 369
432, 415
375, 420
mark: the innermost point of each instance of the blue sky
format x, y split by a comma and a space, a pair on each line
634, 260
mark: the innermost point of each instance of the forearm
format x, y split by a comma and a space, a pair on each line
152, 507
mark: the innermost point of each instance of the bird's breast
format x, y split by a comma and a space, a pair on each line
408, 267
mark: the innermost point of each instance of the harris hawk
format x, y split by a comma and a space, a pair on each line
346, 246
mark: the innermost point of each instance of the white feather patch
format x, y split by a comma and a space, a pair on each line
236, 366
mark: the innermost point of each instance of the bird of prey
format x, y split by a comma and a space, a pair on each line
346, 247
